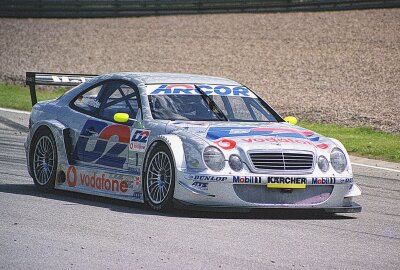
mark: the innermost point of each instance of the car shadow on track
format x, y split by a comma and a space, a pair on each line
142, 209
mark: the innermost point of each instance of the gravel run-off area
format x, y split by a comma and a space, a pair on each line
328, 67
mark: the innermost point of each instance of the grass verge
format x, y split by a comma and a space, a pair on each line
362, 141
359, 141
18, 97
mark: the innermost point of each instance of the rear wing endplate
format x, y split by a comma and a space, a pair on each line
61, 79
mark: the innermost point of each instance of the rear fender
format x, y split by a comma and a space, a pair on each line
61, 136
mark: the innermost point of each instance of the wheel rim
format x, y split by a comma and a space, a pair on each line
159, 177
43, 160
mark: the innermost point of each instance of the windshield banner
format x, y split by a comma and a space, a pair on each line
190, 89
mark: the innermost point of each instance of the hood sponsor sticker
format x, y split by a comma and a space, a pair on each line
239, 131
226, 144
191, 126
215, 133
228, 137
323, 146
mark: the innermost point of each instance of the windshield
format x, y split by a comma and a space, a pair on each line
228, 103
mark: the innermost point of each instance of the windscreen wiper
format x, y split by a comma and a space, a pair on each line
211, 103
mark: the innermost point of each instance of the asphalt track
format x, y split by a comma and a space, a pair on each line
62, 230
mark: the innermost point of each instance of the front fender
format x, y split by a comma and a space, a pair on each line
175, 145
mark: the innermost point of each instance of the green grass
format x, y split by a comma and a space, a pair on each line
18, 97
359, 141
362, 141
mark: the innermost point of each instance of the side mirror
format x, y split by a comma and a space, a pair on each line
291, 120
121, 117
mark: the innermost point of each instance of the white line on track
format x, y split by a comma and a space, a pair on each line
375, 167
14, 111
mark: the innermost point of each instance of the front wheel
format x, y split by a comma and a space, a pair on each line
159, 178
44, 160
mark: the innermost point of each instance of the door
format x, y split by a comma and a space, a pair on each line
102, 141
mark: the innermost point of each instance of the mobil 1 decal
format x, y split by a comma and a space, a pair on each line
109, 144
139, 140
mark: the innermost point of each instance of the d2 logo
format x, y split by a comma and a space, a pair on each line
139, 140
140, 135
99, 155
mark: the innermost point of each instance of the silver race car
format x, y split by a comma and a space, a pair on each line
180, 139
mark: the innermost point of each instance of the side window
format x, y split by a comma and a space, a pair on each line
119, 98
260, 113
89, 101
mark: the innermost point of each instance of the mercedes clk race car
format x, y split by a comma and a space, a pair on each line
179, 139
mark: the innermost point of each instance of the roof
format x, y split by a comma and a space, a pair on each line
149, 78
169, 78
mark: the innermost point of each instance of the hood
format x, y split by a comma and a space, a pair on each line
254, 136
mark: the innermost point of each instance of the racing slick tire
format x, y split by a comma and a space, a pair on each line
159, 178
43, 159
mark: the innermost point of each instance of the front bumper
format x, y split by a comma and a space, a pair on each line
228, 192
353, 208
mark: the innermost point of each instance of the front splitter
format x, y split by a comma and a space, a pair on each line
353, 208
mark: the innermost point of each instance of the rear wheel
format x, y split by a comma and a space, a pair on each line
159, 178
44, 160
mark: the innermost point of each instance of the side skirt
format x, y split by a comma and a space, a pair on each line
100, 182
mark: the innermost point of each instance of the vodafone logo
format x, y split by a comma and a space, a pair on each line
322, 146
71, 176
97, 181
226, 144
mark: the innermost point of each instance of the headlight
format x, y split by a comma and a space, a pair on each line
214, 158
236, 163
323, 163
338, 160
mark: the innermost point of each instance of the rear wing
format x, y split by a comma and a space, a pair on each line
60, 79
